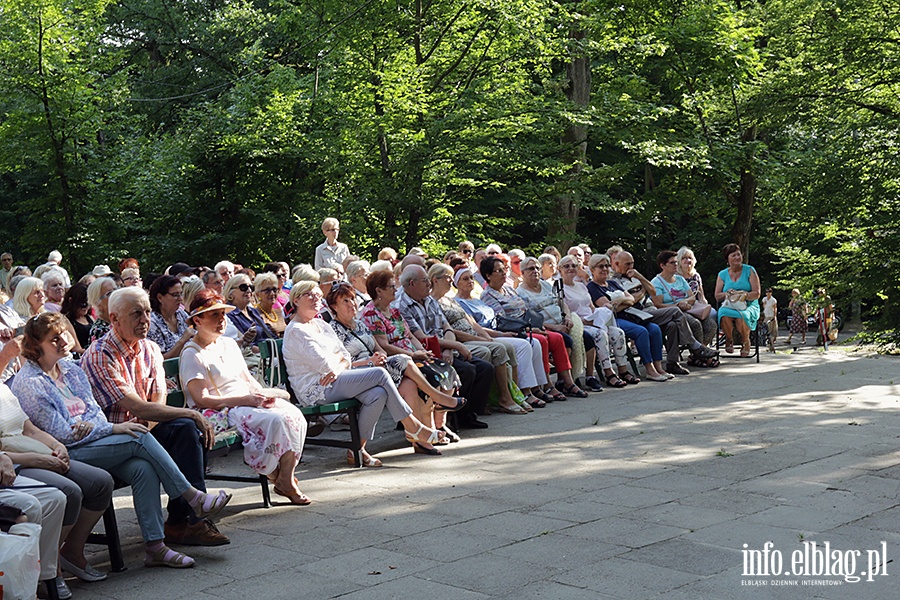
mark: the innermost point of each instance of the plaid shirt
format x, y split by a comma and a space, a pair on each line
427, 318
116, 370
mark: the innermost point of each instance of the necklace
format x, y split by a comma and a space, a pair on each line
271, 317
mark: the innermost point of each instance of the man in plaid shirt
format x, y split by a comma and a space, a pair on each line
126, 373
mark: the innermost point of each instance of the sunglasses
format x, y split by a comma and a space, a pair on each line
246, 287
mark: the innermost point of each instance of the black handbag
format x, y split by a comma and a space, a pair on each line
512, 325
636, 315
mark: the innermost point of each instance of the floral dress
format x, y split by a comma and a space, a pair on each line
360, 343
393, 326
266, 433
798, 315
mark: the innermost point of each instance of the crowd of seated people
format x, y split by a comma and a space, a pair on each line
478, 331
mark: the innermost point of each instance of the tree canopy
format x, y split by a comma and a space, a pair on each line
206, 129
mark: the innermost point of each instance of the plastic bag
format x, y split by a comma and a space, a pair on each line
20, 566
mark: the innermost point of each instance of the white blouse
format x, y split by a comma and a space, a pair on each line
310, 351
220, 364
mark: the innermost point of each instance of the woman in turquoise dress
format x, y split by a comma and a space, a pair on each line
737, 288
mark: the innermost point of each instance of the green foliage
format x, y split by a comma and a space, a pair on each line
227, 128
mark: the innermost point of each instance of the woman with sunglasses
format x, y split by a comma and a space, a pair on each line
321, 371
169, 321
238, 292
268, 287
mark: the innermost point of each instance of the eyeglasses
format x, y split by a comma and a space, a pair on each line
465, 252
313, 295
531, 269
281, 275
493, 252
132, 279
107, 294
175, 294
83, 305
244, 287
516, 262
569, 266
503, 271
602, 266
269, 291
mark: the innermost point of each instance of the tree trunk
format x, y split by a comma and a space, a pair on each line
564, 216
746, 198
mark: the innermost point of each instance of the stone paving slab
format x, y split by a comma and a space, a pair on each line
646, 492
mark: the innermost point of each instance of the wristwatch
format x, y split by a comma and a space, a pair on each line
370, 363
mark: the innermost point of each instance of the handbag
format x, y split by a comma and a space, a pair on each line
737, 305
636, 315
511, 324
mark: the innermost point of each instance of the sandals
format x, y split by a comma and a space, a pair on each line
166, 557
435, 436
460, 403
297, 498
572, 391
371, 461
449, 434
628, 378
535, 402
206, 505
515, 409
615, 381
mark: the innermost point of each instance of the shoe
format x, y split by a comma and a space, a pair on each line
296, 498
420, 449
339, 425
315, 428
515, 409
668, 376
201, 533
704, 352
573, 391
472, 423
218, 502
628, 378
535, 402
657, 378
729, 348
166, 557
615, 381
594, 384
88, 573
547, 398
62, 590
676, 369
434, 436
366, 462
450, 435
460, 403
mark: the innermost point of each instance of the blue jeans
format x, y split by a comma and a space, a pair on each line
142, 463
647, 338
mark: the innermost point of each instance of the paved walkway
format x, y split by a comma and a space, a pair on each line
647, 492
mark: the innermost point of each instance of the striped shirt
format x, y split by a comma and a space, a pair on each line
116, 370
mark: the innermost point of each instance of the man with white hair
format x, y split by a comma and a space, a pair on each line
676, 329
54, 258
126, 373
225, 269
425, 318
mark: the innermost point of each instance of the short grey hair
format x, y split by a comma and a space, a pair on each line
517, 253
224, 264
357, 267
381, 265
410, 273
53, 275
527, 261
125, 297
54, 256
